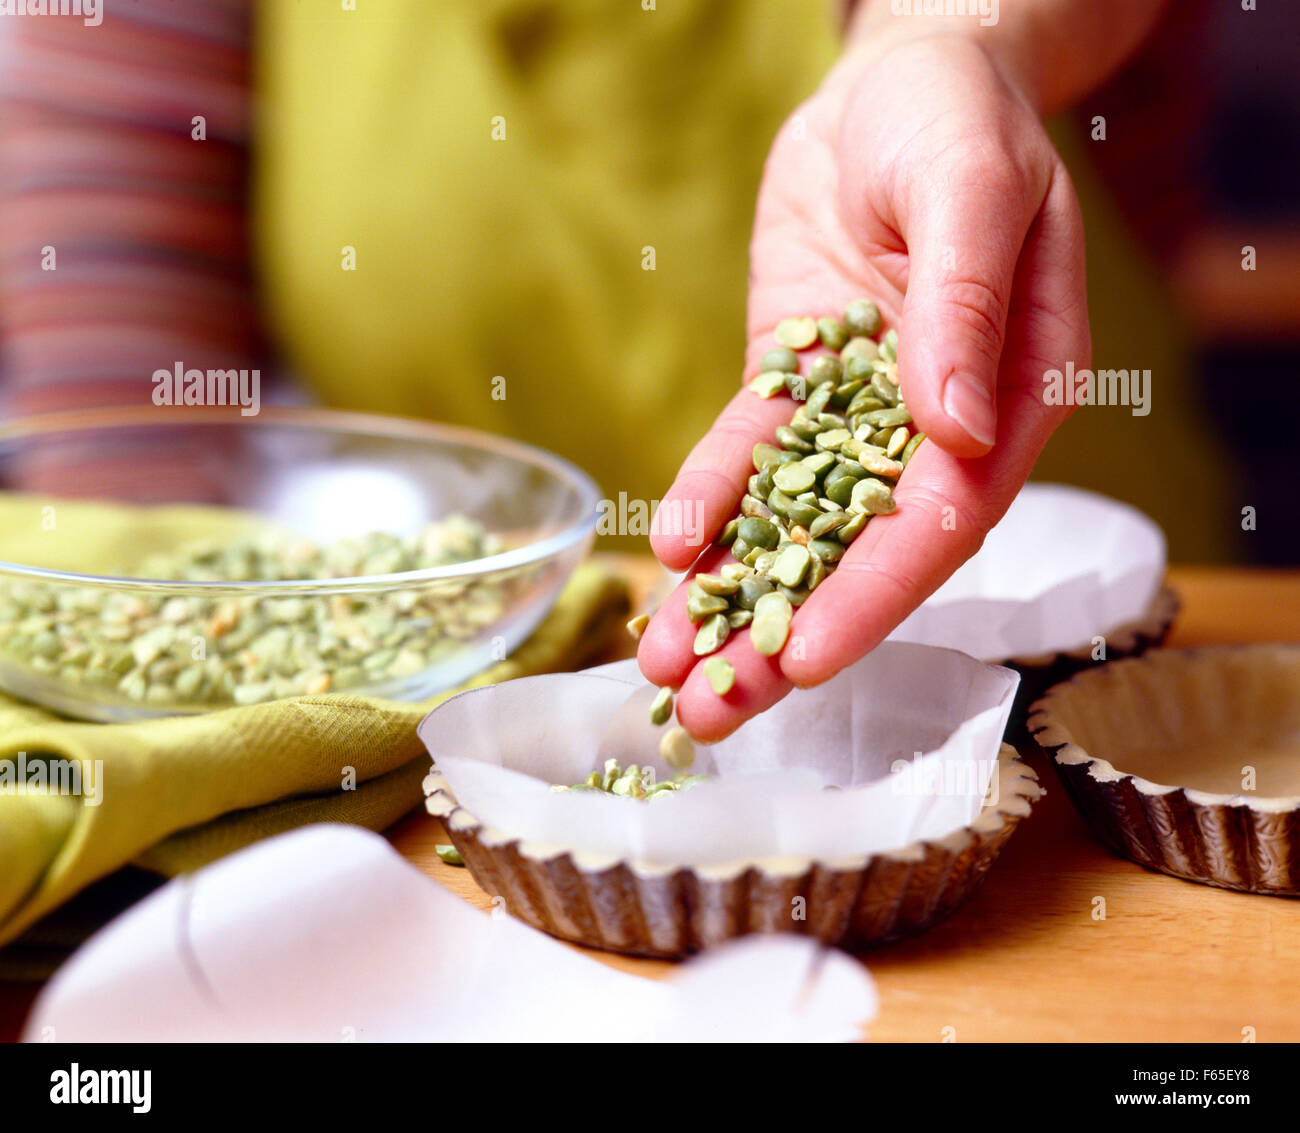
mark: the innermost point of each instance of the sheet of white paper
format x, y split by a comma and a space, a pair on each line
909, 734
326, 934
1063, 566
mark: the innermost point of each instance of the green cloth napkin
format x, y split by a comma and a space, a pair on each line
182, 791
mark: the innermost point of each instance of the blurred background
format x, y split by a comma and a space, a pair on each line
532, 217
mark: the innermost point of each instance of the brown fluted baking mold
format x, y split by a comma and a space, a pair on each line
1040, 672
1241, 842
669, 911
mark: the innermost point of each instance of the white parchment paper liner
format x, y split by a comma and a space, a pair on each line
910, 735
1063, 565
326, 934
936, 714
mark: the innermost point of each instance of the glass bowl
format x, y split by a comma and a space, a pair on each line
158, 561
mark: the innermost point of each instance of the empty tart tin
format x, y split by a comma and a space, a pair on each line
1187, 761
1067, 579
1133, 638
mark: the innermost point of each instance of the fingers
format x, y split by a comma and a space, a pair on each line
712, 479
946, 505
964, 235
667, 658
759, 685
665, 653
1049, 313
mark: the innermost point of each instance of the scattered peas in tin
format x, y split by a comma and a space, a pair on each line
632, 782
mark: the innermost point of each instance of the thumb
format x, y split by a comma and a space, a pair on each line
962, 246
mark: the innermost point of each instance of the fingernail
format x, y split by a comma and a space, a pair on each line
968, 402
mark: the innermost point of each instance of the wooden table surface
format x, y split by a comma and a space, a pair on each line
1024, 959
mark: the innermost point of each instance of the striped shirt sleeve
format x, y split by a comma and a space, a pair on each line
124, 236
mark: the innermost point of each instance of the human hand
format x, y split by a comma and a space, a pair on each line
919, 176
